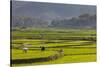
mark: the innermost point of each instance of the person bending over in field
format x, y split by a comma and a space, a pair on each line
25, 49
61, 52
42, 48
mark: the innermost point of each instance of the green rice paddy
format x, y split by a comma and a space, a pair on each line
77, 45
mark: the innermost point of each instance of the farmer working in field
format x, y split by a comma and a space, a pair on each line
25, 49
42, 48
61, 52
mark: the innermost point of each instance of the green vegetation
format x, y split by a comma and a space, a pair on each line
77, 45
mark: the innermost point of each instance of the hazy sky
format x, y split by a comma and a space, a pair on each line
50, 10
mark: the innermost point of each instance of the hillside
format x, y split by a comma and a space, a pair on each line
82, 21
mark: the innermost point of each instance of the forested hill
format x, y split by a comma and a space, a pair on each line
53, 15
82, 21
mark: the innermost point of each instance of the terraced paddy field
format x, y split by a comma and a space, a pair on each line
76, 46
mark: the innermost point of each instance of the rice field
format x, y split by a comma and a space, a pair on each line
77, 46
